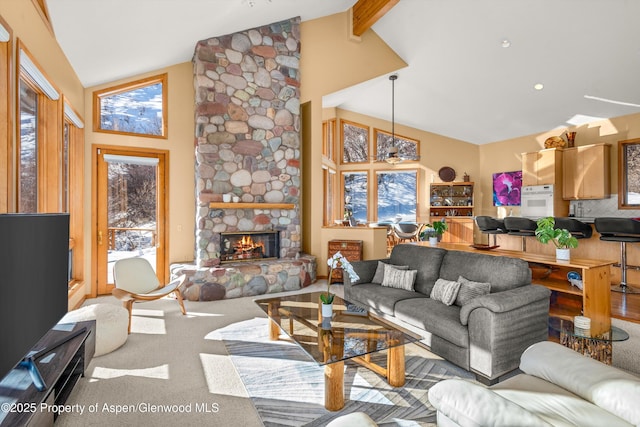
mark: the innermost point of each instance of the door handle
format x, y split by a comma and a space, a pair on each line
100, 237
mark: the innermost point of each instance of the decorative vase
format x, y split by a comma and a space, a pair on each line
562, 254
327, 311
433, 241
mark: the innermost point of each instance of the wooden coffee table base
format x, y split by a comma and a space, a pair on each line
334, 386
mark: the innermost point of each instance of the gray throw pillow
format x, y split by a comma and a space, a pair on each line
470, 290
378, 277
445, 291
399, 279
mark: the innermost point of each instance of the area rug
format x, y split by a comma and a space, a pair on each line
287, 387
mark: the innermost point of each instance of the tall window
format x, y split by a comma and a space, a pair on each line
397, 195
39, 143
28, 160
329, 177
6, 116
355, 186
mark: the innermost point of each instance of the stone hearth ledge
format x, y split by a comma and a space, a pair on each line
247, 278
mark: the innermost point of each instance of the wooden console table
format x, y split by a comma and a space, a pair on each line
60, 370
567, 301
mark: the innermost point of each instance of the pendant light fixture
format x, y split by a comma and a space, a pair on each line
392, 154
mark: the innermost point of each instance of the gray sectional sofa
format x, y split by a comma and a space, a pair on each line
485, 334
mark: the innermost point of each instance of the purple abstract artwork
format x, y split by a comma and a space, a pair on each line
506, 188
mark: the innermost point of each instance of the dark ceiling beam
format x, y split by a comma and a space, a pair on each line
366, 12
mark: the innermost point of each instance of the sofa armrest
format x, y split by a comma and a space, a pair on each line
471, 404
502, 325
364, 269
504, 301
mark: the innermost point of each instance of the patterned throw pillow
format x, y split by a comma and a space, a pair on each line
399, 279
445, 291
470, 290
382, 266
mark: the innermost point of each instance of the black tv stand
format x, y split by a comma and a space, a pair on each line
63, 355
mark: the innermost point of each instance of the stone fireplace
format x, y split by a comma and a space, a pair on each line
247, 148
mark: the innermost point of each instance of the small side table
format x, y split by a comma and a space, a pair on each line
352, 251
597, 347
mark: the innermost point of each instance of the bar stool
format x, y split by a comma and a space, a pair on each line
518, 226
489, 225
623, 230
578, 229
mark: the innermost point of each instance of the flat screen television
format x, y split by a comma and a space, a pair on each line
34, 262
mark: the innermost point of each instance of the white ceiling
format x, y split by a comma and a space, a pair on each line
460, 82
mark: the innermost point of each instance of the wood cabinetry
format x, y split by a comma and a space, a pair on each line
542, 167
460, 230
352, 251
586, 172
451, 199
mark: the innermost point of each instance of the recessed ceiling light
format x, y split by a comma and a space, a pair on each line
538, 86
505, 43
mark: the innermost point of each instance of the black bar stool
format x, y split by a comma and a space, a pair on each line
578, 229
489, 225
518, 226
622, 230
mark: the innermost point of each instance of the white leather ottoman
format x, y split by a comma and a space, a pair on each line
112, 322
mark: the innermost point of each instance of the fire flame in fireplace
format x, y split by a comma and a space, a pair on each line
247, 245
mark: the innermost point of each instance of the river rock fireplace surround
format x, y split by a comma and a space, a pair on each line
247, 145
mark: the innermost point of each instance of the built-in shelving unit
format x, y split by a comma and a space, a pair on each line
451, 199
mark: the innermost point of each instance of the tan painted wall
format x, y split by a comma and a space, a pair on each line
504, 156
436, 151
180, 142
330, 61
28, 26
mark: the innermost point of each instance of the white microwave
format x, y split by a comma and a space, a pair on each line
536, 201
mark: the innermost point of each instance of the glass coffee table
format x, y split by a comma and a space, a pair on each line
351, 334
596, 346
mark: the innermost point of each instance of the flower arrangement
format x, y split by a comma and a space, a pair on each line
336, 261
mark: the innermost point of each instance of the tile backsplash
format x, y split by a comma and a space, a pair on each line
603, 207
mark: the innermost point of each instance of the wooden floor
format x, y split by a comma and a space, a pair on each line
625, 306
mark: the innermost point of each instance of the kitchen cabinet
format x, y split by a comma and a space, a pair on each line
542, 167
586, 172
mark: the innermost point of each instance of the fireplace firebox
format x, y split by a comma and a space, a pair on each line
249, 246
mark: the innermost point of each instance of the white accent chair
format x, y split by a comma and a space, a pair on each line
136, 281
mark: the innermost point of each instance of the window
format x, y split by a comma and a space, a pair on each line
6, 168
28, 154
355, 142
355, 186
408, 149
629, 170
397, 195
329, 177
329, 139
136, 108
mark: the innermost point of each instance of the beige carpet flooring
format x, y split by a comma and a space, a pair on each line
176, 370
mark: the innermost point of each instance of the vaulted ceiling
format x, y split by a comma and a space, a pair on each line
472, 65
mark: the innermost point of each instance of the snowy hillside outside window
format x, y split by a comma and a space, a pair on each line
397, 195
355, 194
137, 108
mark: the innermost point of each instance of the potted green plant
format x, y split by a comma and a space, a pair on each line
434, 231
429, 233
336, 261
560, 237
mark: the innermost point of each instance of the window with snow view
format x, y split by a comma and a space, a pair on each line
135, 108
397, 195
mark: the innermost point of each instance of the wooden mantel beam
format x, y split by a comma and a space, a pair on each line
366, 12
